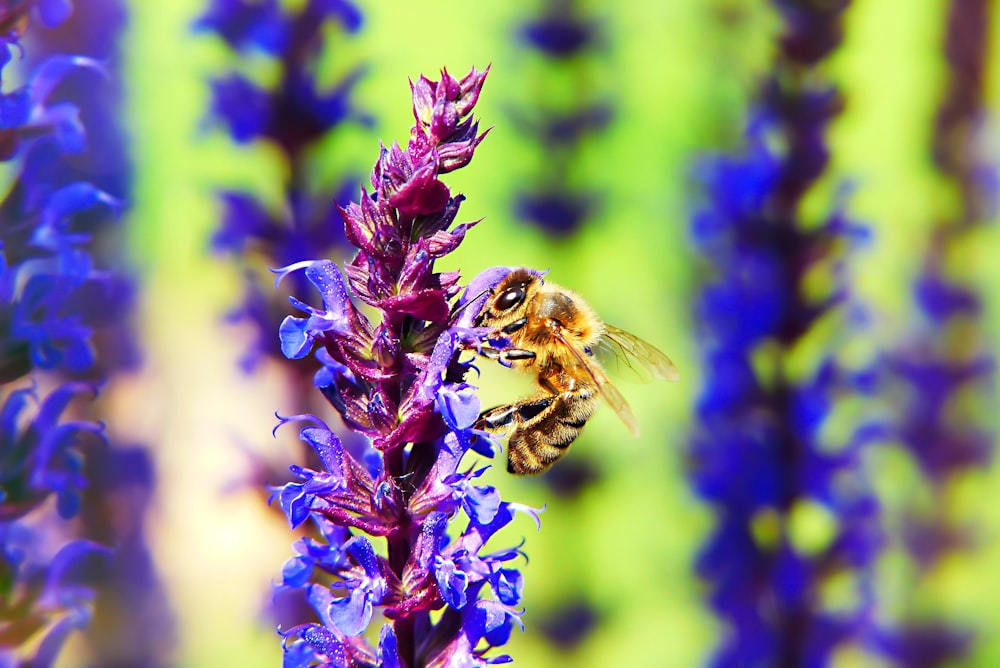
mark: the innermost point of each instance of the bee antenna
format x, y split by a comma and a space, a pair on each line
461, 307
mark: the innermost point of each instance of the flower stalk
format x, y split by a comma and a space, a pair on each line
399, 381
941, 378
760, 456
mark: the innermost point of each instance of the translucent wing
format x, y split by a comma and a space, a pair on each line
604, 386
620, 351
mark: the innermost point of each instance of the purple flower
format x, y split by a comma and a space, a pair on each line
399, 380
47, 273
44, 457
940, 384
759, 455
560, 32
563, 36
49, 594
41, 456
64, 307
296, 116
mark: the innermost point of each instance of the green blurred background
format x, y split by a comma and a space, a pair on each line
680, 74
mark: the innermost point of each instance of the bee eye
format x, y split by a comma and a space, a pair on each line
510, 298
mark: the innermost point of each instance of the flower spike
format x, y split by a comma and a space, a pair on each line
397, 379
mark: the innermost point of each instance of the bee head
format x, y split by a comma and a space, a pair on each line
508, 298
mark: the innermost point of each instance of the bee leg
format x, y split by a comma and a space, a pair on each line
541, 429
511, 355
507, 356
502, 418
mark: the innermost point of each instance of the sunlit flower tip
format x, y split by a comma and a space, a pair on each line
439, 106
533, 513
294, 419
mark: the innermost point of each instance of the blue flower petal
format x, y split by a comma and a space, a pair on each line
351, 614
452, 583
459, 405
296, 337
388, 650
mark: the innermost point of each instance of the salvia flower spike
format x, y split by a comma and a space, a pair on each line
398, 379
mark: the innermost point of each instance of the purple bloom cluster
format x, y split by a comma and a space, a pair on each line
44, 585
934, 377
49, 283
399, 381
295, 116
130, 624
47, 276
759, 455
558, 203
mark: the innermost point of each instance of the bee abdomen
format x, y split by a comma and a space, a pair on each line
535, 446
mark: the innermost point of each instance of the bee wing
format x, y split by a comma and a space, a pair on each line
604, 386
622, 351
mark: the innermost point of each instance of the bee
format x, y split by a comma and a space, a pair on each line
554, 334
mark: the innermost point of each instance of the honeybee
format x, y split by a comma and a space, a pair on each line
555, 334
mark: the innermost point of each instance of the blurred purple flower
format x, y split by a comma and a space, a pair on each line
943, 387
563, 36
45, 590
61, 308
296, 116
560, 31
399, 381
758, 455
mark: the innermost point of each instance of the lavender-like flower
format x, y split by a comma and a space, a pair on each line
399, 381
759, 455
47, 276
131, 624
295, 116
559, 202
942, 376
53, 299
44, 590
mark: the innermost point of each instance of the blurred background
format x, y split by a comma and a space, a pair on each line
601, 113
